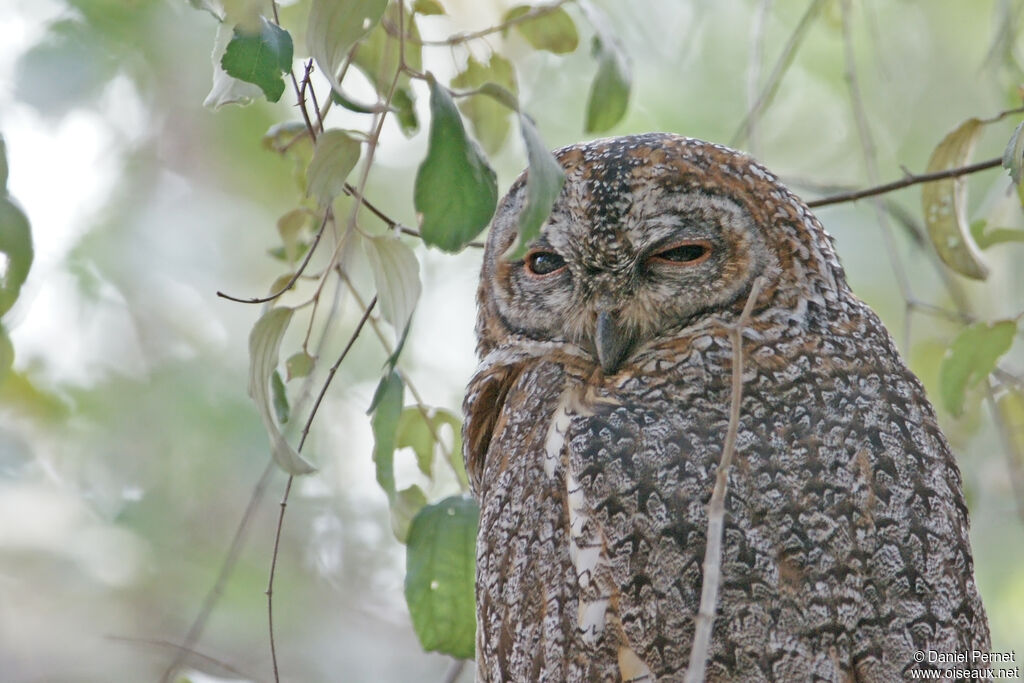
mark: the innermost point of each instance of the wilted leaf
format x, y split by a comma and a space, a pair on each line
264, 346
290, 226
404, 507
260, 58
609, 93
489, 117
299, 365
945, 203
1013, 155
427, 7
386, 408
335, 26
334, 156
970, 358
439, 574
455, 189
554, 31
16, 245
544, 181
396, 273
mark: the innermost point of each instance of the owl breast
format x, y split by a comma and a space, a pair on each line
845, 545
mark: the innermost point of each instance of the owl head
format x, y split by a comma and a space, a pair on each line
651, 234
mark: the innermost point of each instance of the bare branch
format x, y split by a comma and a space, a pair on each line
198, 655
226, 568
867, 144
295, 277
778, 71
273, 571
716, 507
906, 182
457, 38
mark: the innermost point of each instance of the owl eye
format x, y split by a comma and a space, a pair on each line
690, 252
544, 263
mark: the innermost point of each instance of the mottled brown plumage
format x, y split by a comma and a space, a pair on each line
596, 421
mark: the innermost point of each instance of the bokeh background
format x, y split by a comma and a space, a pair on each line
128, 446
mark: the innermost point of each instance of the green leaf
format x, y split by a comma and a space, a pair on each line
970, 358
985, 237
280, 398
1013, 155
264, 346
335, 26
3, 166
415, 431
404, 508
386, 408
405, 111
945, 203
16, 245
334, 156
455, 190
609, 93
427, 7
260, 58
458, 465
488, 116
6, 355
544, 181
440, 563
396, 273
227, 89
290, 227
553, 31
378, 54
299, 365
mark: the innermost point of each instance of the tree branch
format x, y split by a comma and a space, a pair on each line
457, 38
716, 507
907, 181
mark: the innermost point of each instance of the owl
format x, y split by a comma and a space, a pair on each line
596, 420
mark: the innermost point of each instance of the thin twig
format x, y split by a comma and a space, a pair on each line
906, 182
288, 486
334, 369
273, 573
227, 566
391, 222
295, 277
457, 38
756, 67
716, 507
867, 144
454, 671
158, 642
778, 71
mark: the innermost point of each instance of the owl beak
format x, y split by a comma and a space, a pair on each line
611, 341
